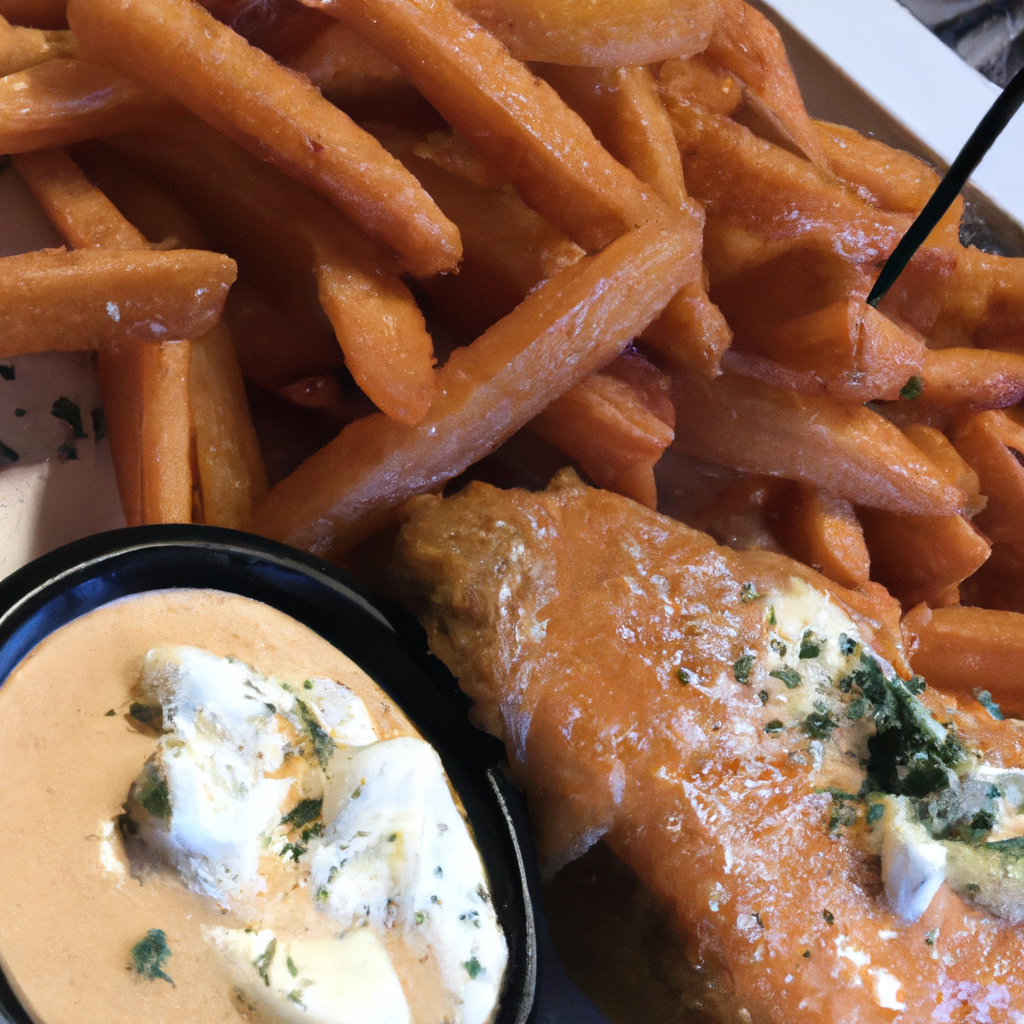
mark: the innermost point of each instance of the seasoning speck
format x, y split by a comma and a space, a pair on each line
6, 372
150, 954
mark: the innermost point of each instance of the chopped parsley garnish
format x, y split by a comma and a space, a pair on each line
65, 409
6, 371
819, 724
67, 452
842, 813
984, 698
304, 812
912, 389
789, 676
772, 621
847, 645
150, 954
763, 696
683, 675
152, 793
810, 646
99, 424
264, 960
308, 684
857, 709
473, 968
292, 969
742, 668
145, 713
748, 593
323, 745
807, 954
19, 412
774, 726
420, 917
111, 713
8, 453
293, 850
931, 936
876, 812
828, 916
778, 646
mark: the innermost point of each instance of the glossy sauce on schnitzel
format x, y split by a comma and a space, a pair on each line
713, 715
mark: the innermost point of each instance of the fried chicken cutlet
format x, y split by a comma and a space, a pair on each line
733, 727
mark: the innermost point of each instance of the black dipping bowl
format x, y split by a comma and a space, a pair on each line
75, 579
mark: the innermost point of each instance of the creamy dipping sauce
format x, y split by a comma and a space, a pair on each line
71, 909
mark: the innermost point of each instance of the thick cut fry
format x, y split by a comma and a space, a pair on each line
596, 33
268, 220
691, 331
823, 532
746, 43
74, 301
847, 350
22, 48
972, 378
703, 81
922, 558
963, 649
940, 451
166, 433
847, 450
514, 118
565, 329
231, 471
177, 47
992, 443
605, 425
66, 101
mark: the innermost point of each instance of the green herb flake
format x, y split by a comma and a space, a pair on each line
684, 676
828, 916
916, 685
295, 996
303, 812
788, 675
774, 726
65, 409
931, 936
99, 424
748, 593
772, 621
857, 709
8, 453
807, 954
876, 812
153, 794
264, 960
321, 894
323, 745
145, 713
742, 668
810, 646
6, 371
307, 684
292, 969
473, 968
763, 696
912, 389
778, 646
19, 412
150, 954
984, 698
847, 645
293, 850
67, 453
111, 713
819, 725
439, 871
420, 917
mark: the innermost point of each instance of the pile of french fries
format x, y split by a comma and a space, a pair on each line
607, 230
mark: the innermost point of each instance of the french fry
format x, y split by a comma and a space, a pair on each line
76, 301
231, 471
604, 424
847, 450
961, 649
22, 48
518, 121
596, 35
65, 101
486, 392
270, 220
922, 558
823, 531
703, 81
941, 453
176, 46
972, 378
691, 331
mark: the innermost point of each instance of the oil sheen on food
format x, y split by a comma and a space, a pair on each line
76, 904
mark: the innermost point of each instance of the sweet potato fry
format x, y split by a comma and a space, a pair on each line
73, 301
962, 649
486, 391
691, 331
847, 450
36, 13
703, 81
822, 531
269, 221
596, 35
972, 378
922, 558
605, 425
991, 443
22, 47
940, 451
65, 101
518, 121
176, 46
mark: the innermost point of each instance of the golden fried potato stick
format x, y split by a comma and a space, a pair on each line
940, 451
847, 450
50, 14
270, 220
597, 33
703, 81
64, 101
177, 47
965, 649
748, 45
22, 48
516, 120
53, 300
605, 425
823, 531
565, 329
971, 378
